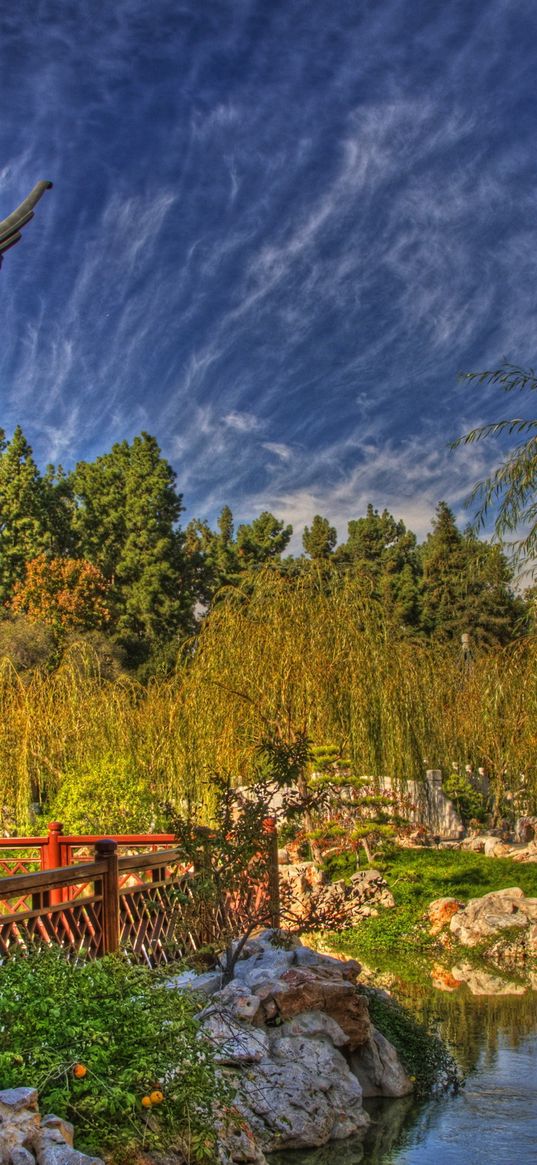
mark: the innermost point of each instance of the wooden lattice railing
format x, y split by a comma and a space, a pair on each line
145, 904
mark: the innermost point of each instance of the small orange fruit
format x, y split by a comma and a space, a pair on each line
146, 1102
79, 1071
156, 1097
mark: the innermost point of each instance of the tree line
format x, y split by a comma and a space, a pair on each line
100, 552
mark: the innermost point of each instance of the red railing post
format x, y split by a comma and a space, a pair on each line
107, 849
54, 857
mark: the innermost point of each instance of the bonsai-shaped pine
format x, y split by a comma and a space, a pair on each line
349, 812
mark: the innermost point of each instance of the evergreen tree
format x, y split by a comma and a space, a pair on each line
126, 516
211, 555
25, 519
467, 586
382, 550
445, 562
319, 540
262, 540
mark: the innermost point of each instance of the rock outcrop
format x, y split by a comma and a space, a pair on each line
497, 847
293, 1033
306, 889
503, 924
27, 1138
495, 913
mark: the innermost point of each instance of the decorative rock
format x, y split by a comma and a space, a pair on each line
14, 1100
206, 984
309, 989
484, 917
66, 1129
314, 1025
49, 1152
379, 1069
234, 1042
237, 1144
19, 1120
23, 1134
238, 1000
302, 1096
495, 848
305, 890
21, 1156
441, 912
347, 968
271, 962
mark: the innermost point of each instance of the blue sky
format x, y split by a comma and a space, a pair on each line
278, 229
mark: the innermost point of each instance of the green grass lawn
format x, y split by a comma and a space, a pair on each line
416, 877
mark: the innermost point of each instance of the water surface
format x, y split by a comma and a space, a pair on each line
492, 1120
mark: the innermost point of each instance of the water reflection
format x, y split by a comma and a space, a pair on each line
492, 1119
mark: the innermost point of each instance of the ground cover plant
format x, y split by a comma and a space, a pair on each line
111, 1048
399, 938
424, 1055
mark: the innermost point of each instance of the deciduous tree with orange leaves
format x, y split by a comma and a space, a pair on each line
67, 593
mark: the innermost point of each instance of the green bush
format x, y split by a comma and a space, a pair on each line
469, 801
133, 1035
109, 796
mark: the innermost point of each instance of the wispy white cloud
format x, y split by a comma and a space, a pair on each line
242, 422
284, 452
275, 236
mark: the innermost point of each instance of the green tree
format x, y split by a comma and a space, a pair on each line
25, 526
126, 522
512, 487
262, 540
467, 586
319, 540
211, 555
383, 551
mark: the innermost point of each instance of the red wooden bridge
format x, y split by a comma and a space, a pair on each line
134, 892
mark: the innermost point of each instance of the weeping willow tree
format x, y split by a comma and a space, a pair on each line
283, 657
292, 656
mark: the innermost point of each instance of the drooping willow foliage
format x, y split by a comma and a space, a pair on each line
283, 657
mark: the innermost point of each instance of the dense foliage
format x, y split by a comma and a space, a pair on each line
422, 1052
101, 548
176, 651
282, 657
95, 1040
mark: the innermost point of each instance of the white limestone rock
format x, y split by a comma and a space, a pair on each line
378, 1068
301, 1095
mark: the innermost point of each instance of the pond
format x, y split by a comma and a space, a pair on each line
492, 1120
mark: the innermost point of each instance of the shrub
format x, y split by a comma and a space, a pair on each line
109, 796
469, 801
132, 1034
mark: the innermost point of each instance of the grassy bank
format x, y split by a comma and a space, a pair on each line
399, 937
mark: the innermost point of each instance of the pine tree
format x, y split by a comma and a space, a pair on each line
263, 540
319, 540
384, 552
25, 519
126, 516
211, 556
467, 586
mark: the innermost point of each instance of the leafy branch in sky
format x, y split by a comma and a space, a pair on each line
512, 487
